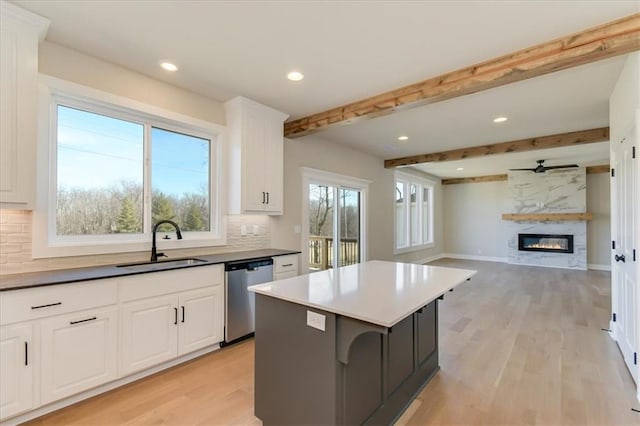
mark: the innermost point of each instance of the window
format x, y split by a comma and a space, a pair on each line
413, 213
115, 170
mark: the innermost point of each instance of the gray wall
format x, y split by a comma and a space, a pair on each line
476, 208
317, 153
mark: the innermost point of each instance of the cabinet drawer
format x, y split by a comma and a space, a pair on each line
33, 303
286, 263
166, 282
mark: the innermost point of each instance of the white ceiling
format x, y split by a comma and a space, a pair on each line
349, 50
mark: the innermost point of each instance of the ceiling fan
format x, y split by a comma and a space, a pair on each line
540, 168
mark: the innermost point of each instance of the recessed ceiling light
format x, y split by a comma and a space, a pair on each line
169, 66
403, 138
500, 119
460, 168
295, 76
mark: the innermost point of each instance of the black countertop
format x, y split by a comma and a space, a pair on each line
66, 276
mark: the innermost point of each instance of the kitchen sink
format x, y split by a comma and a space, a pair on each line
161, 264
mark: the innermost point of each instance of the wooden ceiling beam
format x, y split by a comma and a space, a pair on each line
591, 45
604, 168
522, 145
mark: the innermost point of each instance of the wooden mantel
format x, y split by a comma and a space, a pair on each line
547, 216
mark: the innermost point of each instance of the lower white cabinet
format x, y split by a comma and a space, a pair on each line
158, 329
285, 266
149, 332
16, 369
78, 352
200, 319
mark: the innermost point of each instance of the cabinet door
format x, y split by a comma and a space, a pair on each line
201, 319
149, 332
18, 103
273, 165
79, 351
254, 161
16, 369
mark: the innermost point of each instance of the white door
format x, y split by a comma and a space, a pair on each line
149, 330
273, 159
623, 275
253, 161
200, 319
79, 351
16, 369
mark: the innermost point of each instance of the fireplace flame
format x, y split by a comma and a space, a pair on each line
547, 246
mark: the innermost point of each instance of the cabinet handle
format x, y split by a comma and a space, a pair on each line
46, 306
264, 194
288, 264
26, 353
175, 316
84, 320
182, 313
267, 198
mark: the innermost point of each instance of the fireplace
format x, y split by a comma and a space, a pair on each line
546, 242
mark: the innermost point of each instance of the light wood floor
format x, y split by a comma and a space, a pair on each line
518, 345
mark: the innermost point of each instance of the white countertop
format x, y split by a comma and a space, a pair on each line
378, 292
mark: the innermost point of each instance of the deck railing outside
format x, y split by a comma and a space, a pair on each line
321, 252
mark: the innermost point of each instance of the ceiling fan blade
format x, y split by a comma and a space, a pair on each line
565, 166
527, 170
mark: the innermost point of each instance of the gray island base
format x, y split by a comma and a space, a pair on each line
345, 346
354, 372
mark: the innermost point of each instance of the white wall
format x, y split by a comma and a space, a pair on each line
599, 228
71, 65
476, 209
317, 153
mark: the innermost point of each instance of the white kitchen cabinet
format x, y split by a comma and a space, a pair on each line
256, 158
20, 33
78, 352
149, 332
185, 314
16, 369
285, 266
200, 319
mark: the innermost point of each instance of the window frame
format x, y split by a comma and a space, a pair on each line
54, 92
421, 183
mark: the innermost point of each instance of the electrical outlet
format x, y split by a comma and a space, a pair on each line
243, 230
316, 320
296, 229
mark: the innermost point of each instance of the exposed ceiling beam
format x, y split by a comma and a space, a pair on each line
530, 144
476, 179
591, 45
603, 168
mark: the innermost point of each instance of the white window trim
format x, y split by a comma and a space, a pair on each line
424, 181
45, 243
315, 176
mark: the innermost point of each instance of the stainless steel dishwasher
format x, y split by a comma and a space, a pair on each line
240, 303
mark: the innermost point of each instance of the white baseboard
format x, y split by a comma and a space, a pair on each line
597, 267
430, 259
475, 257
46, 409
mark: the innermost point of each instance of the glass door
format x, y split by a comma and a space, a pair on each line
334, 226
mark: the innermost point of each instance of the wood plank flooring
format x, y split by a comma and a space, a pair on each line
518, 345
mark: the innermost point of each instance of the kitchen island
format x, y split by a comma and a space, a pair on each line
353, 345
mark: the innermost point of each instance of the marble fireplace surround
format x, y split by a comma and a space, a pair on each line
556, 191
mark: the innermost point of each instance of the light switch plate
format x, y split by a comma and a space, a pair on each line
243, 230
256, 229
316, 320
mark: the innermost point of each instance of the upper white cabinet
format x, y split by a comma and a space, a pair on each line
255, 163
21, 32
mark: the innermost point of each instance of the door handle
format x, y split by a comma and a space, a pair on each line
175, 316
182, 313
264, 197
267, 198
619, 258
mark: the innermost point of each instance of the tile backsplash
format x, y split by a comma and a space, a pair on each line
16, 235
